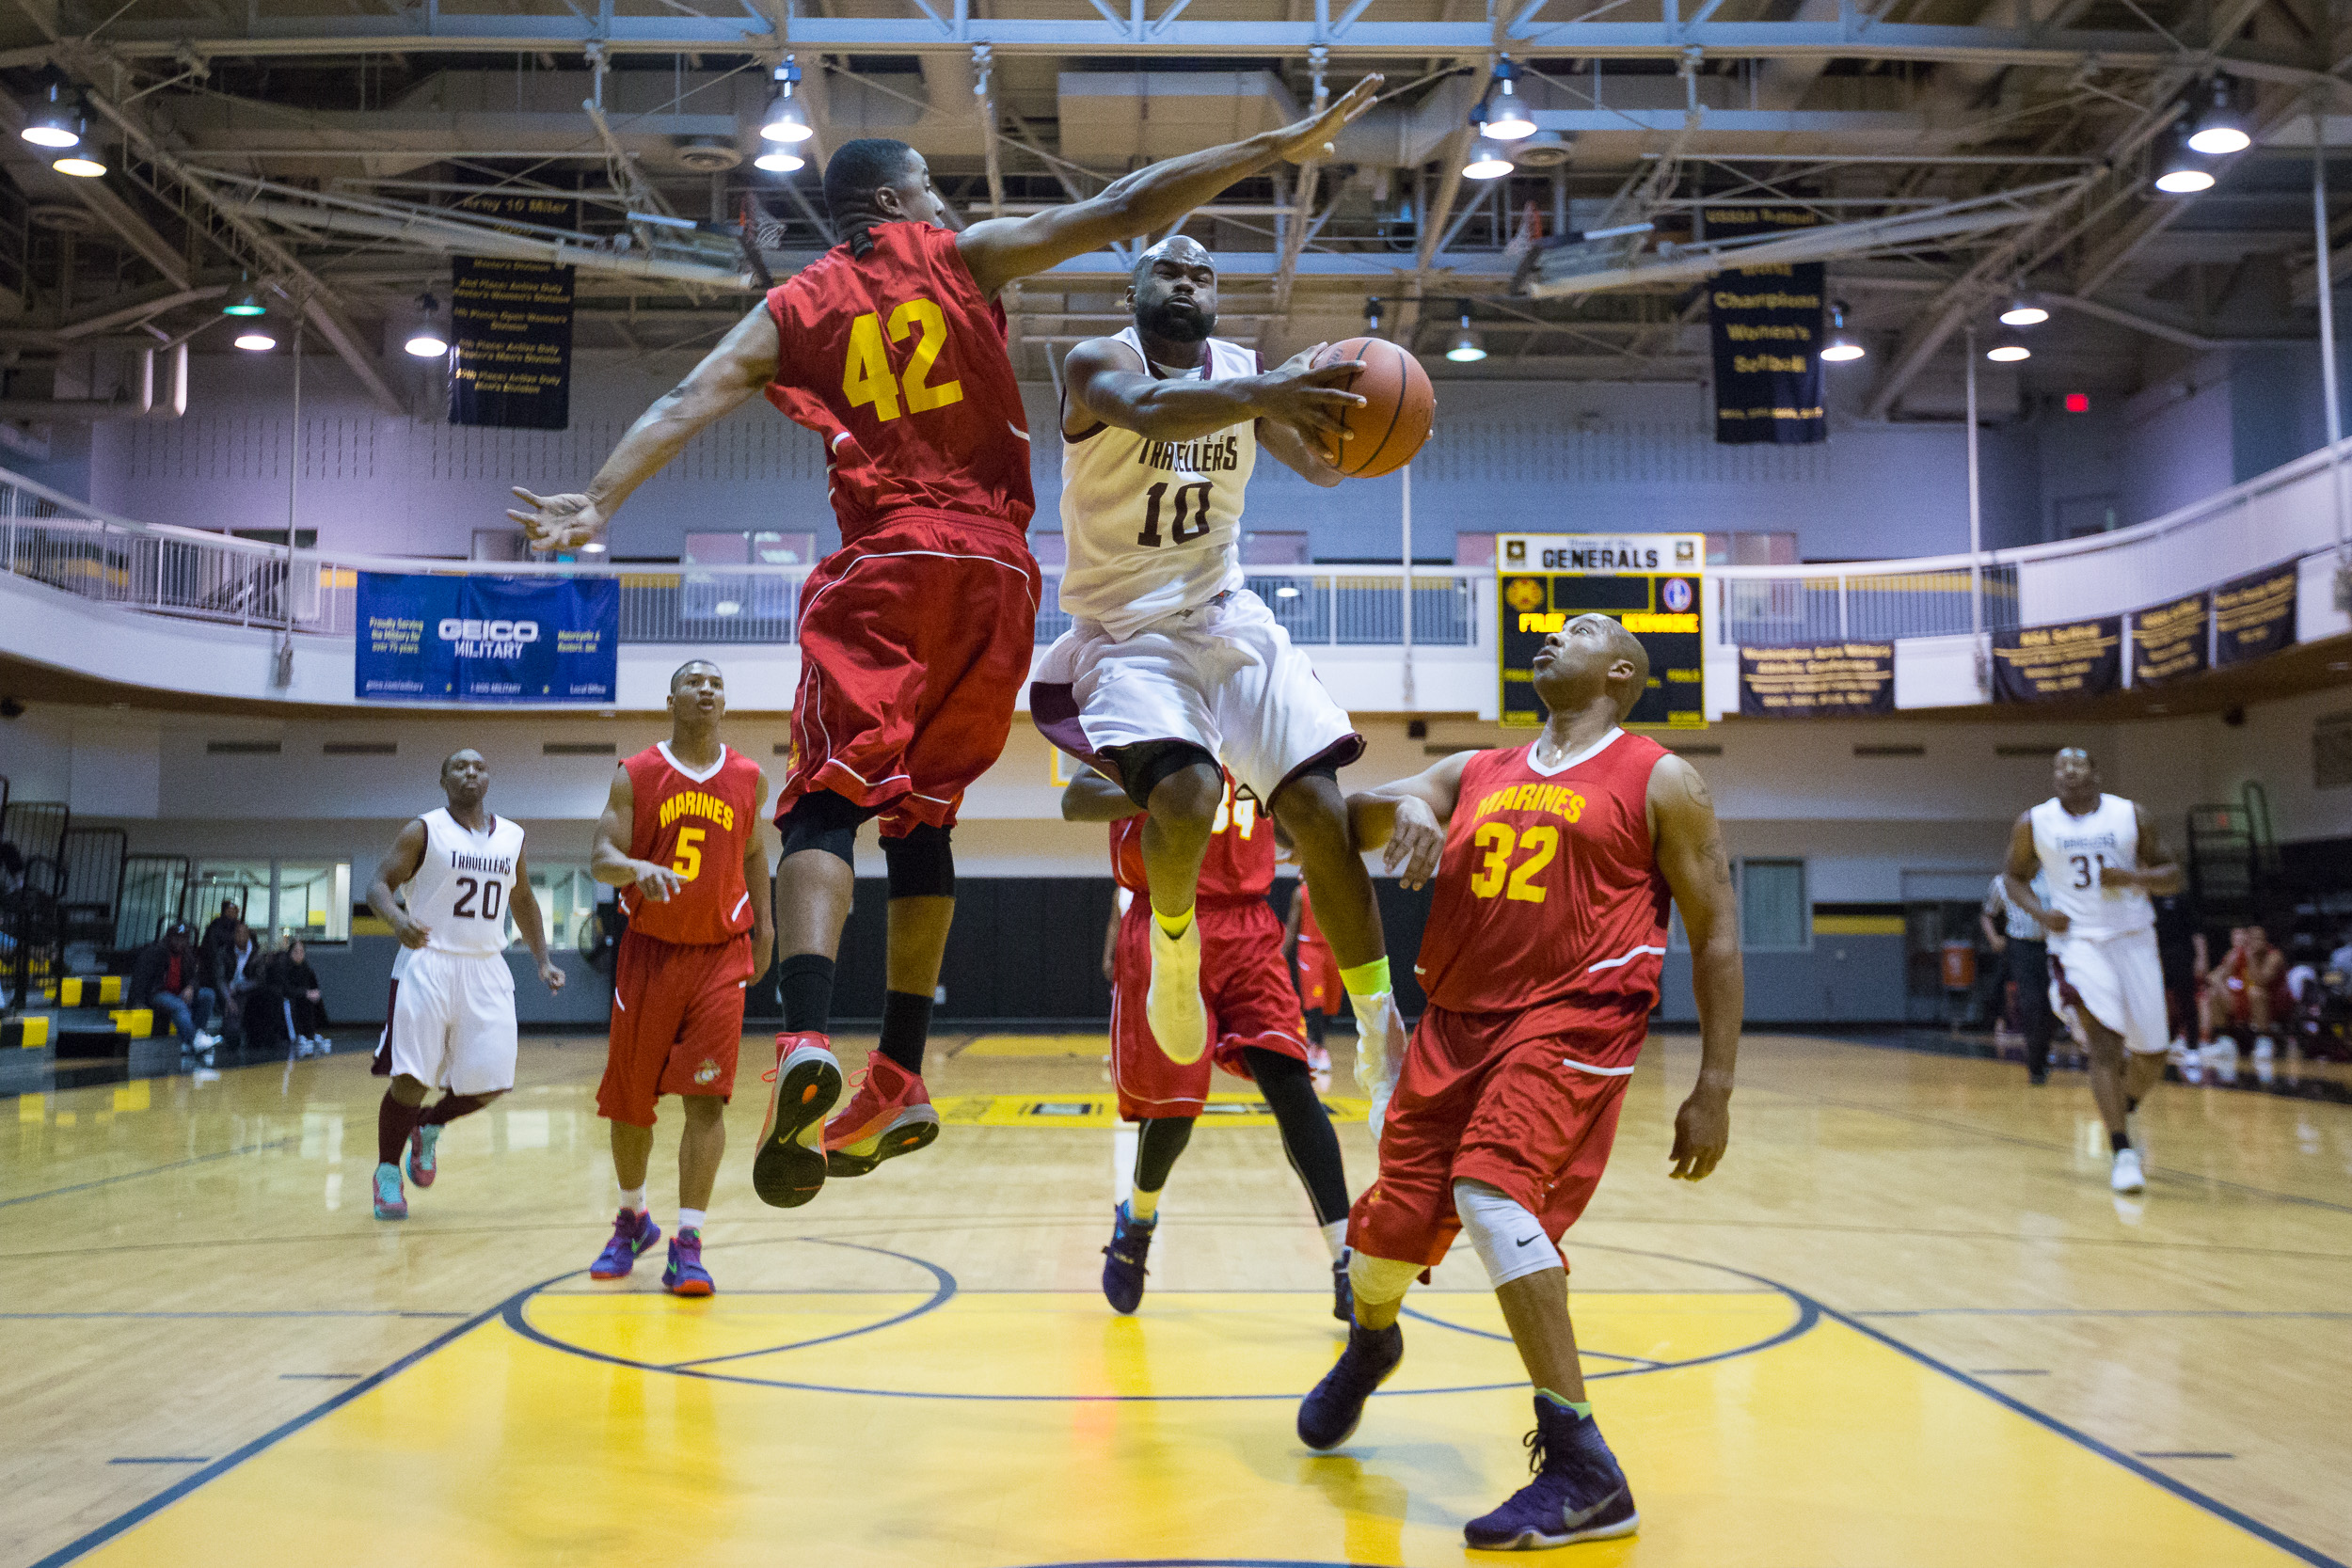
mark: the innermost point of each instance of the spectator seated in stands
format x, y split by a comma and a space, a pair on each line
295, 986
236, 965
169, 978
2246, 993
223, 926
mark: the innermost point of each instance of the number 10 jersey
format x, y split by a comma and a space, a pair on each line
464, 882
1153, 528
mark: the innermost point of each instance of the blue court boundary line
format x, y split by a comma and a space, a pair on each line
1582, 1353
943, 1290
2083, 1312
151, 1170
46, 1317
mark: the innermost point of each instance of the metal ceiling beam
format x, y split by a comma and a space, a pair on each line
94, 197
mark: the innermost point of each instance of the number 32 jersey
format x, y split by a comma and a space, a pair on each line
899, 365
1548, 889
464, 883
1153, 528
699, 825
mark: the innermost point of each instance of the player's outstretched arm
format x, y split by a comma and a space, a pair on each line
744, 361
394, 870
1002, 249
534, 930
1092, 797
2017, 877
609, 861
1690, 856
1408, 819
1297, 453
756, 882
1106, 383
2158, 872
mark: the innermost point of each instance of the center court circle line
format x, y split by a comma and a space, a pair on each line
515, 1315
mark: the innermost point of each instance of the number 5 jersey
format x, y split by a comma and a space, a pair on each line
699, 823
1548, 889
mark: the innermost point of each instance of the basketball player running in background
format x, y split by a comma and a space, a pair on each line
916, 634
681, 838
458, 868
2099, 858
1555, 862
1173, 672
1318, 972
1253, 1019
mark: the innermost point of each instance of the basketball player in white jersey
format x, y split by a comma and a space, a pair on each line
1173, 672
2100, 858
461, 871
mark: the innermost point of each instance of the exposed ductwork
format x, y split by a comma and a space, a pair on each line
140, 405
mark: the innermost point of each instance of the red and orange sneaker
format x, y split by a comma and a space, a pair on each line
789, 1167
889, 1115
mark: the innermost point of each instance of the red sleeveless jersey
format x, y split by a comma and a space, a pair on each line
1239, 866
701, 827
1548, 889
896, 361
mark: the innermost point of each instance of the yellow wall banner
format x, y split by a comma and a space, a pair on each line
2043, 664
2169, 641
1817, 680
2255, 615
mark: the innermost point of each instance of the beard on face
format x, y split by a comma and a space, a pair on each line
1179, 321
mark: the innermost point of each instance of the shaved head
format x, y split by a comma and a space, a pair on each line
1627, 692
1180, 249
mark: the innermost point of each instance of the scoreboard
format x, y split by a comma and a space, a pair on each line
1651, 583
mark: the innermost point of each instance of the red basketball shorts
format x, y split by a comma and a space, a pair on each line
1319, 987
1524, 1101
915, 642
1245, 986
678, 1020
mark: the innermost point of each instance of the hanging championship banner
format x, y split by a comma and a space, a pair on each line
2043, 664
2169, 642
2255, 615
462, 639
511, 344
1817, 680
1649, 583
1766, 323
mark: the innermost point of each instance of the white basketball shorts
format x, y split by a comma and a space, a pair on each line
1224, 676
2118, 981
454, 1022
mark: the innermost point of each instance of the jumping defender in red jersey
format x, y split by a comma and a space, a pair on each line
1555, 863
916, 634
1253, 1027
680, 837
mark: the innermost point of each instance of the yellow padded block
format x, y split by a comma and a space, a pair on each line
33, 1031
69, 992
137, 1022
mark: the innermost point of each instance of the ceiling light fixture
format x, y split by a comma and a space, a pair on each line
2024, 313
82, 164
247, 304
2220, 129
1466, 349
784, 122
254, 340
2181, 173
427, 341
2007, 354
55, 125
1843, 345
780, 160
1504, 112
1489, 160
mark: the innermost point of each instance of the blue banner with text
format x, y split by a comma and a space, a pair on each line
486, 639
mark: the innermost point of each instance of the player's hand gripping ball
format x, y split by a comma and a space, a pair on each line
1398, 408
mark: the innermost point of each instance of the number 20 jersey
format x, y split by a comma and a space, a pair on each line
1153, 528
899, 365
701, 826
464, 883
1549, 890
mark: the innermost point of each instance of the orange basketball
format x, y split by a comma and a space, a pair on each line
1399, 404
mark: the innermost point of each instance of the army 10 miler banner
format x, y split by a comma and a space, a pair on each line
1766, 323
2045, 665
486, 639
2169, 642
2255, 615
1817, 680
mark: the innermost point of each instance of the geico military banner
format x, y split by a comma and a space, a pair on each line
2046, 664
1766, 323
1817, 680
486, 639
2255, 615
2169, 642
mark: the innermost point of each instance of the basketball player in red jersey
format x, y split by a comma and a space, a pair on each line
1254, 1029
1555, 862
680, 837
1320, 991
916, 634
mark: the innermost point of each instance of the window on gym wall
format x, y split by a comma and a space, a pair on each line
244, 883
1774, 910
313, 898
568, 900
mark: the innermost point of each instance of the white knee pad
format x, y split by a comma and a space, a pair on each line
1510, 1241
1379, 1280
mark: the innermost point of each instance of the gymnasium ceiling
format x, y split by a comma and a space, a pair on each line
315, 149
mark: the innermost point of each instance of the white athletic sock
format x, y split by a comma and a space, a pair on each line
1142, 1205
1335, 1237
633, 1198
690, 1219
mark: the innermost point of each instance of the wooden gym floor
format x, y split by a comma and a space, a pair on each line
1906, 1324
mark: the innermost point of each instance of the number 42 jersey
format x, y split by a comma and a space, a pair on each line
1548, 889
698, 823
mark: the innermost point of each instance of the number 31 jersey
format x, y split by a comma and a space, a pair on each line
1548, 889
464, 883
1153, 528
2073, 849
899, 365
701, 826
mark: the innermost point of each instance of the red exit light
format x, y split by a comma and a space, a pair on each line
2078, 402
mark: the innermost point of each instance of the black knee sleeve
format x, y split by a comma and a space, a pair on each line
823, 820
1144, 764
1313, 1148
922, 864
1162, 1140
